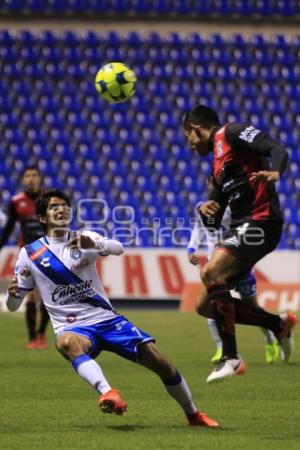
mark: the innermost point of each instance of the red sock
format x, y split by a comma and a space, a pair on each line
223, 308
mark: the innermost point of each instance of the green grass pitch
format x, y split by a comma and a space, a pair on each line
44, 405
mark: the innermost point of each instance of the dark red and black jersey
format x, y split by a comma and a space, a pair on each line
238, 151
22, 209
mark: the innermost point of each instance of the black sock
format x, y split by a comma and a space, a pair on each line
248, 314
224, 314
44, 319
30, 317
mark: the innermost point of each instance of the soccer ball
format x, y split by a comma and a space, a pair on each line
115, 82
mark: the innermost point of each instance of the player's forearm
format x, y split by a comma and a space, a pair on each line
110, 247
194, 241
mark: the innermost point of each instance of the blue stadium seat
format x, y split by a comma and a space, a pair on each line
135, 152
154, 8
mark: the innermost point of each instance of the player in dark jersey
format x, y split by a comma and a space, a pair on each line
244, 181
22, 209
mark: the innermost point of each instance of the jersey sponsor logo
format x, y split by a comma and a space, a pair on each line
249, 134
219, 148
73, 293
45, 262
232, 241
228, 183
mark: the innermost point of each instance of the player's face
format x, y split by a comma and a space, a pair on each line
31, 180
58, 214
198, 139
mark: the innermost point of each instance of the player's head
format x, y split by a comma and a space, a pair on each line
198, 125
53, 208
31, 179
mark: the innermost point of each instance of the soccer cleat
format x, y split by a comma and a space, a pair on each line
112, 402
217, 356
202, 419
285, 335
227, 368
272, 352
41, 341
32, 344
287, 347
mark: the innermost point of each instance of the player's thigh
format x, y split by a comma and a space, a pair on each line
71, 345
151, 357
221, 267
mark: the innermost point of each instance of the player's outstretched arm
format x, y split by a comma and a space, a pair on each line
94, 242
110, 247
247, 136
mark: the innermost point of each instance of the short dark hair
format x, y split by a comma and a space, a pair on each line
43, 200
201, 115
30, 168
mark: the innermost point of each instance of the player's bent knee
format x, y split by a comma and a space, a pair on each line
208, 275
70, 345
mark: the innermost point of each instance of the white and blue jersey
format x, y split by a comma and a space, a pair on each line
69, 284
201, 236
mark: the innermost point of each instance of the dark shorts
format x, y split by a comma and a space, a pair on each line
251, 241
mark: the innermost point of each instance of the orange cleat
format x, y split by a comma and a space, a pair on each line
289, 322
41, 341
112, 402
202, 419
32, 344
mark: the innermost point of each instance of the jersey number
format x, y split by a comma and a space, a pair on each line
137, 331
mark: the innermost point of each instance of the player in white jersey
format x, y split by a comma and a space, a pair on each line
201, 236
62, 266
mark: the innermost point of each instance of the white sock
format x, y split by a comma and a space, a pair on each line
179, 390
270, 338
214, 332
91, 372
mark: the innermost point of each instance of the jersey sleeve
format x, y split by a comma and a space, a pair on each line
251, 138
194, 241
23, 271
104, 246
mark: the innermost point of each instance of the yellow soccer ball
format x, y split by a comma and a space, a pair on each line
115, 82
